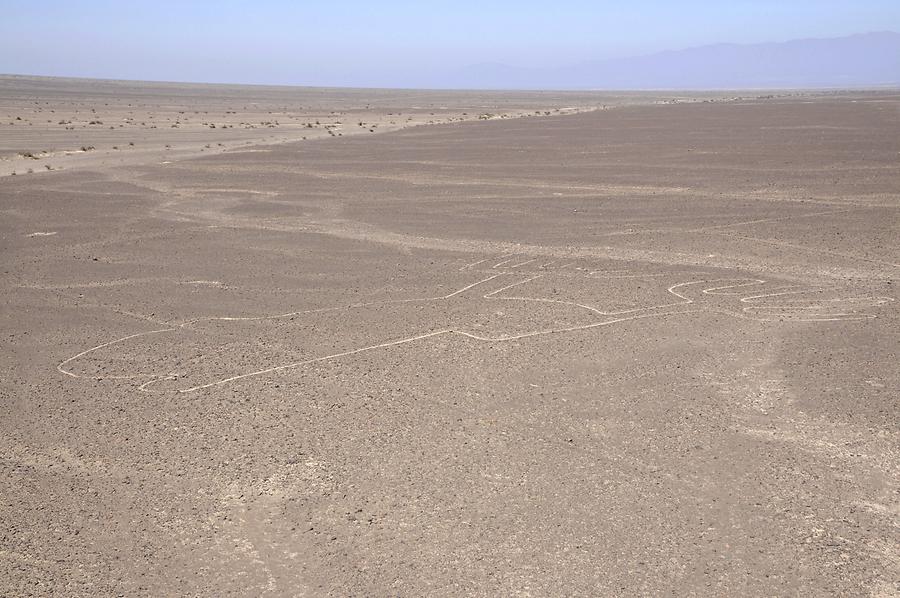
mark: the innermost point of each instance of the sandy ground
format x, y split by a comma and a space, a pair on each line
644, 350
62, 124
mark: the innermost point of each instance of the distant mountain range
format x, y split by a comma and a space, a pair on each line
864, 60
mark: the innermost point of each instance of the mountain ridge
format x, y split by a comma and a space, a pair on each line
858, 60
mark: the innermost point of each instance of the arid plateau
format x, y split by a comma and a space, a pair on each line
287, 342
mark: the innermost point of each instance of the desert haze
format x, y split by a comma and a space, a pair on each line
299, 341
863, 60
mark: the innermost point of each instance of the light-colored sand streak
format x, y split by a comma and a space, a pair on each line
806, 249
62, 365
505, 338
300, 363
811, 311
769, 220
506, 261
467, 266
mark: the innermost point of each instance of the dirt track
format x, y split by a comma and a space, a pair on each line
635, 351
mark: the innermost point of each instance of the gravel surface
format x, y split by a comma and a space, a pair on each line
643, 350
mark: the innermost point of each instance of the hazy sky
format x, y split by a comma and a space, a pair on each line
357, 42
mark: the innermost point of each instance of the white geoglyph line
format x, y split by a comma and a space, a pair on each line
144, 387
466, 288
618, 316
767, 220
467, 266
671, 290
618, 276
61, 367
338, 308
836, 316
299, 363
778, 294
506, 261
509, 286
571, 329
492, 294
744, 283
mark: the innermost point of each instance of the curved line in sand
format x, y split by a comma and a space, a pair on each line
627, 315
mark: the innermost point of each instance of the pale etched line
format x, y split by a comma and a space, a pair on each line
855, 317
743, 283
134, 315
788, 308
523, 263
656, 275
428, 335
155, 380
62, 369
807, 249
796, 312
547, 264
671, 290
544, 300
650, 311
618, 276
337, 308
685, 300
61, 365
466, 288
571, 329
93, 285
801, 313
309, 361
506, 261
509, 286
778, 294
764, 220
839, 317
467, 266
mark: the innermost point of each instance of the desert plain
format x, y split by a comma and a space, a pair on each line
303, 342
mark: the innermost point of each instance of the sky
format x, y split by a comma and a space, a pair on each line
386, 43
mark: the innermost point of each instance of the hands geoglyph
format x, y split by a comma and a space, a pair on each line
506, 301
